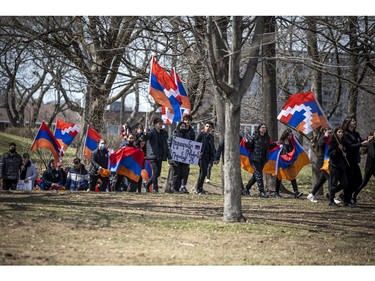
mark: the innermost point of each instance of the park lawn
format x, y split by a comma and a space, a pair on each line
84, 228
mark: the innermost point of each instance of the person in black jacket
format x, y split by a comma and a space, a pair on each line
370, 166
180, 170
187, 118
77, 177
337, 165
259, 144
207, 154
99, 161
10, 167
352, 142
323, 142
52, 177
157, 151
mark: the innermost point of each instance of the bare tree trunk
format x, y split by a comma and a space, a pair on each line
312, 48
269, 86
232, 183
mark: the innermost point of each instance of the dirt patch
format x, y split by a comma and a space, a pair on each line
80, 228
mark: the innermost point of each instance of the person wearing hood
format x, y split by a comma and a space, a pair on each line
10, 167
78, 177
52, 177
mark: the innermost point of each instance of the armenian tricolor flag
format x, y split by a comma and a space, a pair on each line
127, 161
65, 133
325, 166
245, 157
45, 139
287, 166
91, 142
147, 173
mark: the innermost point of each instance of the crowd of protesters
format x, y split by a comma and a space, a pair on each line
342, 144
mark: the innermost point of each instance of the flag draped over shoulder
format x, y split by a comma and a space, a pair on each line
65, 133
303, 112
288, 165
245, 157
45, 139
127, 161
91, 142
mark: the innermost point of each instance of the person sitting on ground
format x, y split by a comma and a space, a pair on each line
52, 177
78, 176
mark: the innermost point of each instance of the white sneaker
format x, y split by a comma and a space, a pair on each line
207, 180
311, 198
337, 201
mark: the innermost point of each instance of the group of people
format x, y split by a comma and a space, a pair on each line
344, 173
343, 145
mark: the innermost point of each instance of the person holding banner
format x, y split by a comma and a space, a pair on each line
180, 170
207, 154
52, 177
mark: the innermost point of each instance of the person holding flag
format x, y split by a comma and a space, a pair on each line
289, 168
323, 146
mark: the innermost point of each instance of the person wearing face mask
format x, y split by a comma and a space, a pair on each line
99, 161
180, 170
10, 167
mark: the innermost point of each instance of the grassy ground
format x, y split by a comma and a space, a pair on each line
80, 228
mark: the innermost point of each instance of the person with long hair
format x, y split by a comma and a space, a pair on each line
287, 147
259, 144
369, 167
352, 142
337, 165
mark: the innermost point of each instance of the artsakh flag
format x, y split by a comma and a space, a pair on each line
65, 133
287, 166
91, 142
245, 157
127, 161
303, 112
45, 139
163, 89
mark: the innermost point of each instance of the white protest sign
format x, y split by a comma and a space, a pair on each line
22, 185
185, 151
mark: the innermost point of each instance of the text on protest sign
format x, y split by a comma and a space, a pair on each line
185, 151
